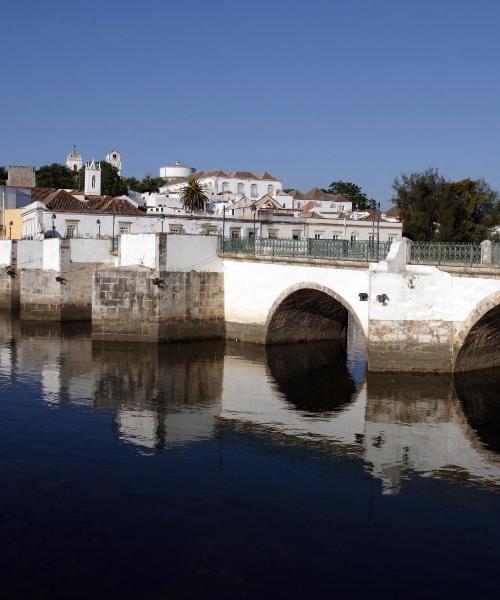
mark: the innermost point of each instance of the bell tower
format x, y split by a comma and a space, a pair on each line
115, 158
93, 178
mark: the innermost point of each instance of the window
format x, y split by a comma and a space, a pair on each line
251, 234
93, 181
317, 236
241, 188
254, 190
371, 238
225, 186
391, 238
296, 235
74, 167
235, 233
270, 189
175, 229
354, 237
273, 234
71, 229
335, 236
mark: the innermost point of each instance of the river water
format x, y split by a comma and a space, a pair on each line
212, 470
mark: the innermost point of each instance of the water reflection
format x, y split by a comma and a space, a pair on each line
163, 397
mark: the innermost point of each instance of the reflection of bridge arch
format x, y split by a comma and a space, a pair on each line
308, 311
477, 343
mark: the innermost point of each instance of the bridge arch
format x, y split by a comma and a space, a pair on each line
477, 343
308, 311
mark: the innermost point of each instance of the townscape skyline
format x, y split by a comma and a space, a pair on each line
216, 86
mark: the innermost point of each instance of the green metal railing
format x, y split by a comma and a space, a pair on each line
496, 254
114, 244
365, 251
445, 253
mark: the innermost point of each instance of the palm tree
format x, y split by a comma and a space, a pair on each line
193, 197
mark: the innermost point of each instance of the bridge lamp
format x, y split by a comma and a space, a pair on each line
162, 220
10, 229
53, 224
98, 228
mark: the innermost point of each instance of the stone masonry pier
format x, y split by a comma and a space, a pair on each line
153, 297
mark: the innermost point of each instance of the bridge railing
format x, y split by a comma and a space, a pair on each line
496, 255
445, 253
363, 251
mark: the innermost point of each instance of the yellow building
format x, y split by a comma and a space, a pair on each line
13, 223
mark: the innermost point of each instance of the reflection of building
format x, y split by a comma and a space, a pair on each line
165, 396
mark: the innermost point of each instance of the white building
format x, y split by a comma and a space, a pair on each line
115, 158
221, 186
93, 178
176, 171
74, 160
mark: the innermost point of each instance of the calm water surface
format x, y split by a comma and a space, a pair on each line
234, 471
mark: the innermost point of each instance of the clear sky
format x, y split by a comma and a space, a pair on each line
312, 91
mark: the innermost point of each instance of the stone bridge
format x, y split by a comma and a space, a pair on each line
161, 287
414, 317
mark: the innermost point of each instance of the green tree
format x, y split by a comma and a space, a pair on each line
193, 196
353, 192
55, 176
3, 175
148, 184
416, 197
433, 208
468, 210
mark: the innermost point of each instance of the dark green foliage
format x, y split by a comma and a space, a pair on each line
353, 192
3, 175
148, 184
56, 176
434, 209
193, 197
111, 183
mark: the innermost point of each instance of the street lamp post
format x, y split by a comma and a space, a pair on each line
54, 225
223, 226
113, 237
10, 229
98, 229
162, 220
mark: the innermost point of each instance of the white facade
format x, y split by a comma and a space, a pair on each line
74, 160
220, 186
93, 179
115, 158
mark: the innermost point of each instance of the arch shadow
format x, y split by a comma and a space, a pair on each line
307, 312
477, 344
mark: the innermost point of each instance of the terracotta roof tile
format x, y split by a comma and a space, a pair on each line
38, 194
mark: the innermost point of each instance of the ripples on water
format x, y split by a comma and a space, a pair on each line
211, 470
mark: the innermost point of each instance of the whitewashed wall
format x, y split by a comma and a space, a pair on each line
29, 254
51, 255
91, 251
139, 249
193, 253
252, 287
5, 252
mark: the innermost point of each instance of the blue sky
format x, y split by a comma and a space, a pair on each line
359, 90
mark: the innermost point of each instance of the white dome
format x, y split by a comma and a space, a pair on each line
177, 170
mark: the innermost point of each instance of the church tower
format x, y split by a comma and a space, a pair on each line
114, 158
93, 178
74, 160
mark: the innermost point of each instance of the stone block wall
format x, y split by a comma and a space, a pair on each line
127, 305
43, 298
9, 290
411, 346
